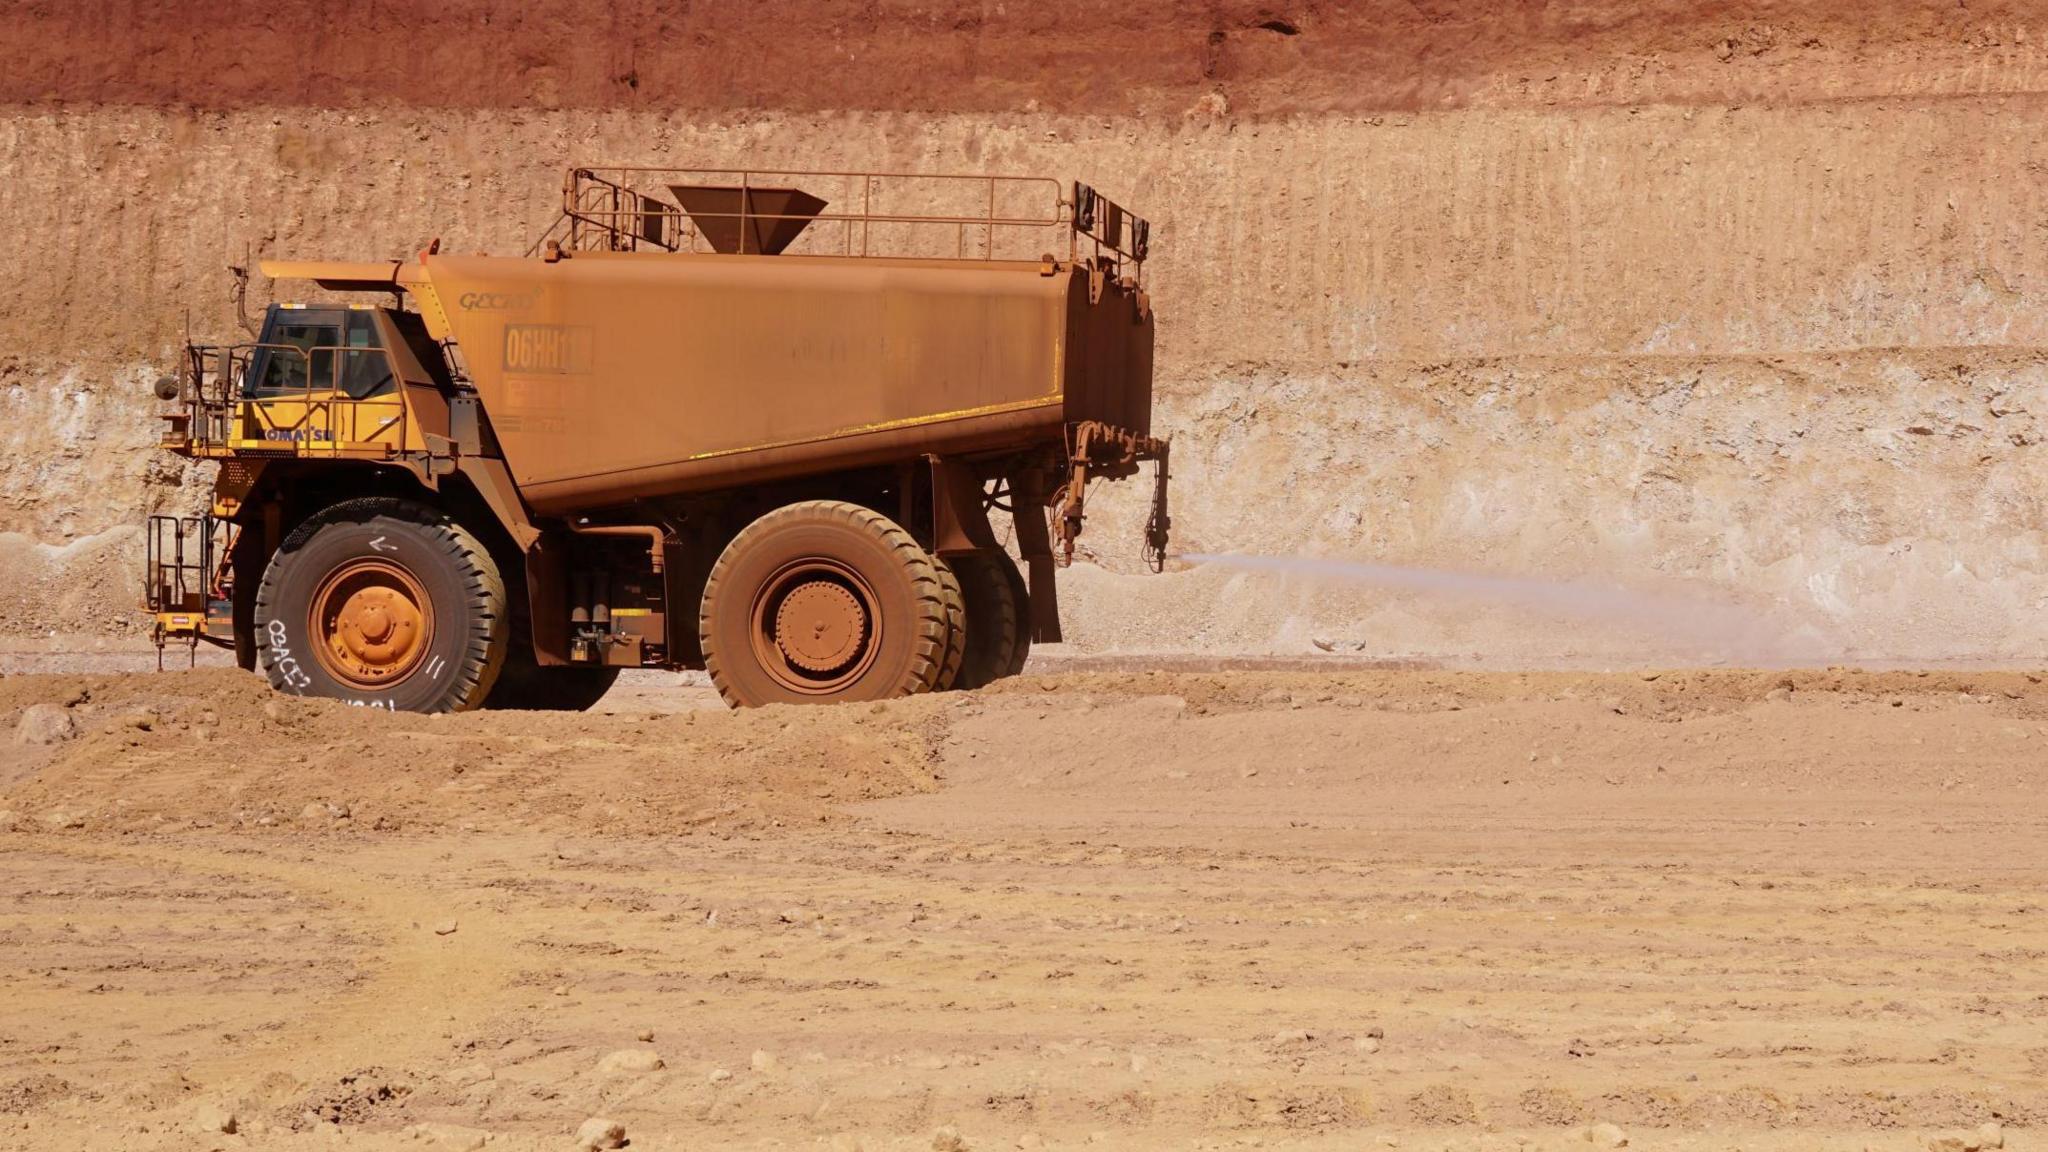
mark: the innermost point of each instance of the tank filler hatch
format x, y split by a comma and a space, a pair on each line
862, 215
740, 219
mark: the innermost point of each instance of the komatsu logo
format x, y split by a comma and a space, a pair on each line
497, 301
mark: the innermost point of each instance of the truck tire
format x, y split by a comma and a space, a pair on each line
385, 604
1022, 595
956, 626
993, 622
524, 686
823, 601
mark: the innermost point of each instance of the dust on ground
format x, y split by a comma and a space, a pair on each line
1125, 908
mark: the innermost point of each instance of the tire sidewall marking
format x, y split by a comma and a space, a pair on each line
279, 656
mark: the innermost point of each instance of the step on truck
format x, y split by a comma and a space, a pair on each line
748, 422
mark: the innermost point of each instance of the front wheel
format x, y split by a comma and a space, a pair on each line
383, 603
824, 601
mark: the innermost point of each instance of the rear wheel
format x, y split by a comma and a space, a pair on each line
1022, 595
956, 626
823, 601
383, 603
994, 623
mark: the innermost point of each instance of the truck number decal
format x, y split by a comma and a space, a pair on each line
552, 348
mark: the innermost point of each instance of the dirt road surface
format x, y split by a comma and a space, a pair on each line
1166, 910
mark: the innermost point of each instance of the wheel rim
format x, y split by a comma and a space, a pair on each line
372, 623
816, 626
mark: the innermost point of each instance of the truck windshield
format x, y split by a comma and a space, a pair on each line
304, 346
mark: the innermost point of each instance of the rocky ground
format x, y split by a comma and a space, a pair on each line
1119, 908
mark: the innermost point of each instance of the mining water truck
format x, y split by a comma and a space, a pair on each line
748, 422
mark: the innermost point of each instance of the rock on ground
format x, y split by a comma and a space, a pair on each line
211, 1118
1987, 1137
630, 1062
44, 724
449, 1136
598, 1133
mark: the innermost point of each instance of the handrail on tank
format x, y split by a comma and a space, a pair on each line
604, 210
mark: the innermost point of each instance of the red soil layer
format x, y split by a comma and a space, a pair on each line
1080, 56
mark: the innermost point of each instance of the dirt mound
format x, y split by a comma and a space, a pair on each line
218, 748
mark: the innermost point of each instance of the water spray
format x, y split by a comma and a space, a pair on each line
1738, 632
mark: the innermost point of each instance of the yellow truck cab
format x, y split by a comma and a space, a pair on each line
323, 376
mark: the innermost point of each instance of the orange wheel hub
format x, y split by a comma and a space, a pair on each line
372, 623
816, 626
819, 626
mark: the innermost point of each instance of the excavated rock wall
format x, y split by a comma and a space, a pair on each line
1718, 304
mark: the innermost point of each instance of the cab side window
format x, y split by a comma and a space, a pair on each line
365, 370
285, 371
318, 351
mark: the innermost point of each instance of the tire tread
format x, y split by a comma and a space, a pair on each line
994, 620
956, 625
